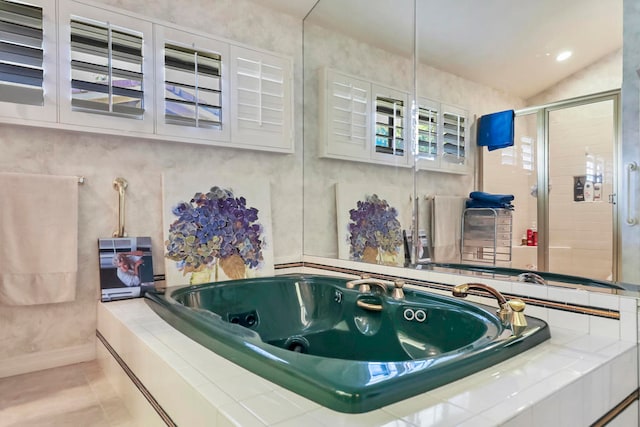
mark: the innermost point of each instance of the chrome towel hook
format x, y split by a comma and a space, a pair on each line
120, 185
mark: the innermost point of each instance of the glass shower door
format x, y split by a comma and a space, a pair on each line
581, 147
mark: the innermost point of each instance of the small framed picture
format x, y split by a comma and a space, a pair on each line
126, 268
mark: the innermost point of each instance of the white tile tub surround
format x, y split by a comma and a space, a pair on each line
579, 376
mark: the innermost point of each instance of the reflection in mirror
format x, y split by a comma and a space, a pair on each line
474, 58
513, 65
358, 179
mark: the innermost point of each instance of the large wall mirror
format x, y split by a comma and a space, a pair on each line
369, 64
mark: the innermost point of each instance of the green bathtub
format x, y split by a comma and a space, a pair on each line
312, 335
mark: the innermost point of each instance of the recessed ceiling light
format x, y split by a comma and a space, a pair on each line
563, 55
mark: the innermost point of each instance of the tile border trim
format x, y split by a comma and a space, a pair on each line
617, 410
136, 381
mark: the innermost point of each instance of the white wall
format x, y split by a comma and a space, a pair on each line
29, 331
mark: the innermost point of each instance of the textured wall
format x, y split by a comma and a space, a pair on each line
101, 158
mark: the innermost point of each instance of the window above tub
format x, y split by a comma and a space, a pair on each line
117, 73
27, 50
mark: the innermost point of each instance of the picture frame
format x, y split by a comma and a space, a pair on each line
126, 267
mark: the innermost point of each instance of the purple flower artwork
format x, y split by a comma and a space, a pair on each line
375, 234
215, 229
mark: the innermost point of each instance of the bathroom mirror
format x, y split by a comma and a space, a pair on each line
345, 77
473, 58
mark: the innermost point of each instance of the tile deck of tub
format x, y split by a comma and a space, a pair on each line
571, 368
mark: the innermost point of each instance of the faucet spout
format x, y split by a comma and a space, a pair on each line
511, 312
462, 291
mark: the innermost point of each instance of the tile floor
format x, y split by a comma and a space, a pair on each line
69, 396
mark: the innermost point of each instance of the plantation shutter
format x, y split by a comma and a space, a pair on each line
192, 87
428, 131
390, 134
106, 69
21, 54
262, 109
349, 111
453, 134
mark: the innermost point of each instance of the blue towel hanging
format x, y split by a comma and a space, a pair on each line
496, 130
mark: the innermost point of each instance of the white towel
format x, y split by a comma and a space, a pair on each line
38, 238
446, 227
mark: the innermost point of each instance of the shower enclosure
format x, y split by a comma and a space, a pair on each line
562, 172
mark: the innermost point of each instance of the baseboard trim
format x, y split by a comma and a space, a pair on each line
39, 361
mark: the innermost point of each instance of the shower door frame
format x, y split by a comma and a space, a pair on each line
542, 170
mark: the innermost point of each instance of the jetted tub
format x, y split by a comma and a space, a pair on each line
345, 349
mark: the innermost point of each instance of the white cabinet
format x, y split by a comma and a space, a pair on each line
362, 121
28, 83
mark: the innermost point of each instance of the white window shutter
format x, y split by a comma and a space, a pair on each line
454, 134
192, 85
262, 101
27, 60
106, 69
347, 115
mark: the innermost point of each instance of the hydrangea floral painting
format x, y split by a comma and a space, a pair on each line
375, 234
216, 235
370, 225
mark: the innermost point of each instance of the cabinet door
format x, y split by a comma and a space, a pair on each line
28, 87
106, 69
345, 116
429, 149
454, 133
262, 100
391, 127
192, 85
